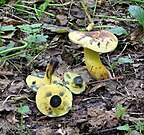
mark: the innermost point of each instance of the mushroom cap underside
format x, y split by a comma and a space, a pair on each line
100, 41
47, 93
74, 82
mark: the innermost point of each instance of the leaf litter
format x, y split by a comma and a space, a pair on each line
93, 110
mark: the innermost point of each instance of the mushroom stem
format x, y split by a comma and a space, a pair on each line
94, 65
50, 69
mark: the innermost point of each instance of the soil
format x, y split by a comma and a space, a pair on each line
94, 110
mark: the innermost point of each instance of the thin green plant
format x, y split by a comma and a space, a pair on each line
22, 110
120, 61
40, 10
121, 111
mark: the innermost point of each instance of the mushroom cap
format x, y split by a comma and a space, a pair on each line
35, 82
74, 82
100, 41
54, 100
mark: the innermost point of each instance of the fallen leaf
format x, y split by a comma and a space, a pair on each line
118, 31
6, 127
100, 118
91, 3
4, 82
62, 19
137, 34
44, 131
7, 107
68, 57
15, 87
11, 118
108, 85
134, 132
10, 21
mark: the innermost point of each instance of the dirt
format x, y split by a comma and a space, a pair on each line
93, 111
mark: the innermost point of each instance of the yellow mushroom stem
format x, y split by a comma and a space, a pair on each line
95, 66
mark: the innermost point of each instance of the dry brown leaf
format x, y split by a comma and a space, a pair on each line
100, 118
10, 21
134, 132
91, 3
8, 35
44, 131
4, 82
7, 107
137, 34
6, 127
62, 19
68, 57
15, 87
108, 85
11, 118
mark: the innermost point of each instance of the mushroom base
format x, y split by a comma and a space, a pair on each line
94, 65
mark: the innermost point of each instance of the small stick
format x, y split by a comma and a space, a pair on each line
117, 18
86, 11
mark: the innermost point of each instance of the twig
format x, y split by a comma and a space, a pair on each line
14, 66
113, 78
21, 97
14, 15
59, 5
86, 11
121, 51
4, 58
97, 27
7, 99
85, 99
138, 1
117, 18
94, 11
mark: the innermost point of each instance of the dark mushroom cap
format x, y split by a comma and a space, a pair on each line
54, 100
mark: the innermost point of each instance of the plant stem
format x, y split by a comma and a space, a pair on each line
139, 1
8, 57
59, 5
21, 97
86, 11
16, 48
94, 11
102, 26
116, 18
21, 125
22, 6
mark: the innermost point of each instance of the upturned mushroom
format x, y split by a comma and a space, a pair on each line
36, 81
54, 100
95, 42
74, 82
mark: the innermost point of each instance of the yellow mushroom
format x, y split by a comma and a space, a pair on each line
54, 100
74, 82
95, 42
35, 82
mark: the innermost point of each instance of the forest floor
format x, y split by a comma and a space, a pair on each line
94, 110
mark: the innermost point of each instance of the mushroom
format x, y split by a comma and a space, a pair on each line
95, 42
74, 82
54, 100
35, 82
